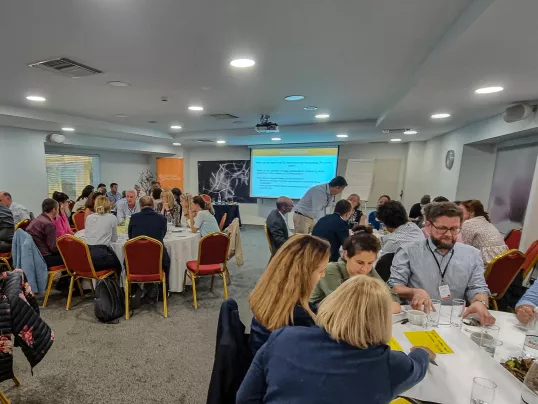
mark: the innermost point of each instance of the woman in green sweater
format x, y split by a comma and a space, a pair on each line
360, 253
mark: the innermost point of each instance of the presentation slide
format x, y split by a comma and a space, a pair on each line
291, 171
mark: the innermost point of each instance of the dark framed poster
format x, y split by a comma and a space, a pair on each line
227, 178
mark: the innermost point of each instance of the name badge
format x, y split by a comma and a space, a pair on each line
444, 291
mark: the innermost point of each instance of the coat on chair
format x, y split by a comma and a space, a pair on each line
27, 257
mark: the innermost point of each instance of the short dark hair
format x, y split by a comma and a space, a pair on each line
199, 201
392, 214
425, 200
440, 199
363, 240
342, 207
111, 185
384, 196
177, 192
435, 210
156, 193
60, 197
338, 181
48, 205
101, 185
145, 202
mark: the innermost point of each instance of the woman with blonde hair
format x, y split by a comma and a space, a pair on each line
168, 207
345, 357
101, 229
186, 205
281, 295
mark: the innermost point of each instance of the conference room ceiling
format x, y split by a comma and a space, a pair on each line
370, 64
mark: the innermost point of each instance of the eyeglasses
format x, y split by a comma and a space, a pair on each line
444, 230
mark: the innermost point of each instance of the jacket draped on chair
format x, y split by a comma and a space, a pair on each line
27, 257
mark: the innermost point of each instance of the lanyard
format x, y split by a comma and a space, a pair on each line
437, 262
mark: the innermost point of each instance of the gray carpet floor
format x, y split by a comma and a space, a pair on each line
145, 359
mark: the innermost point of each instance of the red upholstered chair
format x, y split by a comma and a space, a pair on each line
143, 264
23, 224
76, 256
212, 258
501, 272
206, 197
78, 219
4, 260
513, 238
222, 221
531, 259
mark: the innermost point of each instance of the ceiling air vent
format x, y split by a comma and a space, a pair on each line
221, 117
204, 140
66, 67
389, 131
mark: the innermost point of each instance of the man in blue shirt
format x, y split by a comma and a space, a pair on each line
113, 195
526, 305
313, 204
334, 228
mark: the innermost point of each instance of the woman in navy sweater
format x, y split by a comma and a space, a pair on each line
344, 360
281, 295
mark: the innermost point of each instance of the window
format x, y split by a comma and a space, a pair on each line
70, 174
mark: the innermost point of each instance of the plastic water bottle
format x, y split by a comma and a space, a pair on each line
220, 200
530, 348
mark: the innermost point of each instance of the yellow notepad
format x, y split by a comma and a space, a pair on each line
394, 345
400, 400
429, 339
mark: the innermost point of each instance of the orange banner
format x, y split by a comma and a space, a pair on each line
170, 172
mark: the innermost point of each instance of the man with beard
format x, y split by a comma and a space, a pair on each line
440, 268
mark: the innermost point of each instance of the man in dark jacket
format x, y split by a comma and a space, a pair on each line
6, 229
276, 223
334, 228
149, 223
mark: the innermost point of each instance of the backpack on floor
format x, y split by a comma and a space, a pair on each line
109, 302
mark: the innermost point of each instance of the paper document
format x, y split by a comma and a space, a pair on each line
429, 339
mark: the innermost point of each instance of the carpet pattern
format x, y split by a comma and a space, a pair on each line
145, 359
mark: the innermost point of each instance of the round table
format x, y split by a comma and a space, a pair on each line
451, 382
181, 246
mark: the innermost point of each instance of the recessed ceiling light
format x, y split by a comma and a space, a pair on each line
118, 84
275, 138
294, 98
175, 127
196, 108
176, 144
322, 116
221, 141
396, 139
36, 98
440, 116
310, 108
152, 121
489, 90
68, 129
341, 135
121, 116
242, 63
410, 132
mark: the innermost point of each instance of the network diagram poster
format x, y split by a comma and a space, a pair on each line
227, 178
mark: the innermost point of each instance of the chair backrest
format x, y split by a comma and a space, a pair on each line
383, 266
78, 219
268, 239
76, 255
513, 238
213, 249
502, 270
23, 224
206, 197
143, 256
531, 259
222, 221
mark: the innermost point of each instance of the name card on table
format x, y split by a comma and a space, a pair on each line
429, 339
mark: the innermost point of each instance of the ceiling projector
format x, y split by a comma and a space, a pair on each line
265, 126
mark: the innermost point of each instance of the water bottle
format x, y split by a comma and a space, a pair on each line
530, 348
529, 395
220, 200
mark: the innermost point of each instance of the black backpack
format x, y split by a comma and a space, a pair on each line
109, 302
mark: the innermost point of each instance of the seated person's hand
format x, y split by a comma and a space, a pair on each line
431, 354
482, 311
421, 300
524, 313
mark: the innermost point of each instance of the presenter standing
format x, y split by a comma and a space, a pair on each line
313, 204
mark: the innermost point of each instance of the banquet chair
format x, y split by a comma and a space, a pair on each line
501, 272
531, 259
78, 262
383, 266
78, 219
268, 239
222, 221
23, 224
513, 238
51, 273
143, 264
206, 197
212, 258
4, 260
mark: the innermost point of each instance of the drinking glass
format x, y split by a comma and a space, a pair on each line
435, 313
456, 315
529, 395
483, 391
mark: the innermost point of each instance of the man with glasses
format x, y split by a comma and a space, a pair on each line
440, 268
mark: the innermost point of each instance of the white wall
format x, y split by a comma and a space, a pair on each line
22, 166
476, 172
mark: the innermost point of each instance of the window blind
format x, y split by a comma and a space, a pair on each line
71, 173
359, 176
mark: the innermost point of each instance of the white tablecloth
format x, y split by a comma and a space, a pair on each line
451, 382
181, 247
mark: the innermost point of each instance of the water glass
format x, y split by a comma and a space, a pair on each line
483, 391
456, 315
435, 313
